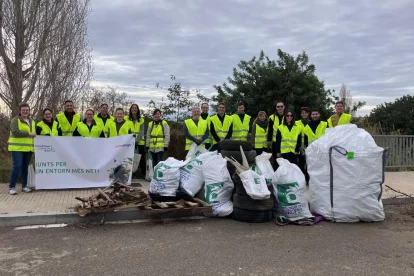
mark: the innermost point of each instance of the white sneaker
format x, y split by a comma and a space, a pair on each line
13, 192
26, 190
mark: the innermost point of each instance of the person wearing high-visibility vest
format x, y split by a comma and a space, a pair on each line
48, 126
241, 124
138, 128
221, 127
275, 120
89, 127
68, 119
119, 126
315, 129
259, 132
303, 122
21, 146
289, 139
195, 130
340, 117
103, 118
158, 137
205, 116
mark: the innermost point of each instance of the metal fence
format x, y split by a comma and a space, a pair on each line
401, 149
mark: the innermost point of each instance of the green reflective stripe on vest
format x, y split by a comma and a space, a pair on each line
157, 135
260, 137
25, 144
289, 138
240, 129
20, 144
197, 131
67, 129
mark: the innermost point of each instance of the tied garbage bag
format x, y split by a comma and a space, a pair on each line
166, 178
191, 175
218, 185
195, 151
264, 166
346, 169
149, 168
255, 184
290, 191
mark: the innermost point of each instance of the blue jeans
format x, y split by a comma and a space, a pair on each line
157, 157
21, 162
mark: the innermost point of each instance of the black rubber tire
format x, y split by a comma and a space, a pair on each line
249, 204
238, 185
251, 216
250, 155
231, 145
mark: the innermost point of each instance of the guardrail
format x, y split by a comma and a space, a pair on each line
401, 149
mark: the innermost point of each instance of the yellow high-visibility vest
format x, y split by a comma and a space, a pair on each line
135, 128
240, 129
22, 144
125, 129
157, 135
208, 120
289, 138
276, 125
197, 131
46, 129
104, 125
67, 129
320, 130
300, 123
221, 129
343, 120
260, 138
84, 131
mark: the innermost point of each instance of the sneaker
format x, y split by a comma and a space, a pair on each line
26, 190
12, 192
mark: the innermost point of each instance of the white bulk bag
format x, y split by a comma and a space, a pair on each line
264, 166
290, 191
191, 175
255, 185
346, 170
166, 178
218, 185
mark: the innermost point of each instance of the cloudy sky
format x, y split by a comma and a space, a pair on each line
367, 45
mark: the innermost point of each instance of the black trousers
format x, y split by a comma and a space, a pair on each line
302, 166
293, 158
275, 165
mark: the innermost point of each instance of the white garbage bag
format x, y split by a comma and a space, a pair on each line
195, 151
264, 166
290, 191
166, 178
218, 185
191, 175
149, 167
255, 185
346, 170
135, 163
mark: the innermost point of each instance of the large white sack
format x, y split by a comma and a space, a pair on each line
255, 185
290, 191
342, 188
191, 175
218, 185
166, 178
195, 151
265, 168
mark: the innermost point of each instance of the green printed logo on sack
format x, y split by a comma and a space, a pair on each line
212, 191
158, 171
286, 194
256, 180
191, 164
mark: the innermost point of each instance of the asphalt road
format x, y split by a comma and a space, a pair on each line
213, 247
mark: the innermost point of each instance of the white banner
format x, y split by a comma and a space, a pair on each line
79, 162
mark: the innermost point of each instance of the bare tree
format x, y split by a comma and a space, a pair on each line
44, 52
345, 96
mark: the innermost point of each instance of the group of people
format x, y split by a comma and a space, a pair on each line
279, 132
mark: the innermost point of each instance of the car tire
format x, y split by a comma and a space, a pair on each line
251, 216
250, 156
245, 202
232, 145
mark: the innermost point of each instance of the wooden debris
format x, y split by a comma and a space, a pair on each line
191, 204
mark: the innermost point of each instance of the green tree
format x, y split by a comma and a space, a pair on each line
395, 116
260, 82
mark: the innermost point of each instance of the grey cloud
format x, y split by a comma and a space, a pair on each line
364, 44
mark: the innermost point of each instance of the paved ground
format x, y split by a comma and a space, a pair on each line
62, 201
214, 247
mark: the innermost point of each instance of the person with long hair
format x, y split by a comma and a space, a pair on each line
48, 126
158, 137
88, 127
137, 126
21, 146
120, 126
259, 133
289, 139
